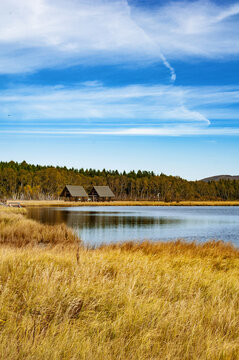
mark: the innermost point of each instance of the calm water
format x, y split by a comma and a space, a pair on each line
98, 225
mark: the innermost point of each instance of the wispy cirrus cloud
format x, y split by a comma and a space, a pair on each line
175, 131
194, 28
91, 108
62, 33
94, 102
43, 33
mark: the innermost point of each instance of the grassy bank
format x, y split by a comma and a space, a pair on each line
30, 203
16, 230
150, 301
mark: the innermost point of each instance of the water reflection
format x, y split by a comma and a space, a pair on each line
96, 225
92, 220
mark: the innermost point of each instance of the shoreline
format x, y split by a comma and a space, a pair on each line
60, 203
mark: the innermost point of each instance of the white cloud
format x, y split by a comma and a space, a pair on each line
92, 108
43, 33
174, 131
94, 102
197, 28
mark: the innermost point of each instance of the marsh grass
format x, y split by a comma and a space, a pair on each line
30, 203
173, 301
17, 230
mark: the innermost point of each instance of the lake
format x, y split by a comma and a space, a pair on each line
109, 224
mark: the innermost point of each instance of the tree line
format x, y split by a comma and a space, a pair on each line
27, 181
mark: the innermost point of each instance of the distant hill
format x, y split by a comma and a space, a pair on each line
220, 177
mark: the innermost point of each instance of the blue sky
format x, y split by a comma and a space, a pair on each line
121, 84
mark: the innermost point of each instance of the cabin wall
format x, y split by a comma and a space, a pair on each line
93, 195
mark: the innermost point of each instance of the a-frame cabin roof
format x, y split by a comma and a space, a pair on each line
76, 191
104, 191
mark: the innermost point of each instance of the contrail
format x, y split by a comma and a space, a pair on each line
153, 44
167, 64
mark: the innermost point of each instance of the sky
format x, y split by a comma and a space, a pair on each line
116, 84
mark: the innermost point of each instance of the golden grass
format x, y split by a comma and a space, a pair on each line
173, 301
29, 203
166, 301
16, 230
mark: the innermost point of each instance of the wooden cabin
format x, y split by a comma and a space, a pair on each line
101, 193
74, 193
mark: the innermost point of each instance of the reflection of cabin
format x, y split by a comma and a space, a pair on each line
101, 193
74, 193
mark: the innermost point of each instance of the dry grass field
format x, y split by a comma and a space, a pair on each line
29, 203
173, 301
16, 230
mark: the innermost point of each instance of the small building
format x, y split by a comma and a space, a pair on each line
74, 193
101, 193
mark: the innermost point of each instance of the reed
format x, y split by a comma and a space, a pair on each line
130, 302
17, 230
42, 203
174, 301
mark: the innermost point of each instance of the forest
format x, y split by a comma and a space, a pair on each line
27, 181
